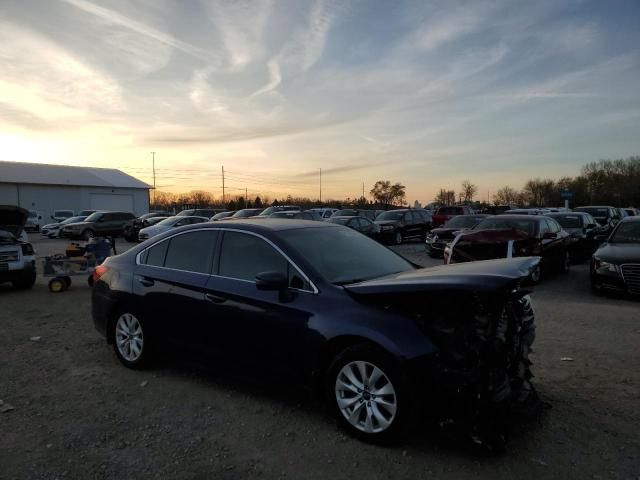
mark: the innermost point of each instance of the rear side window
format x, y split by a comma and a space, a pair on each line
553, 226
154, 256
192, 251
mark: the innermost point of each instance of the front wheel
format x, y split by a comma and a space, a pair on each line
369, 396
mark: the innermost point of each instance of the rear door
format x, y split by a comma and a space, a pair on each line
170, 279
251, 326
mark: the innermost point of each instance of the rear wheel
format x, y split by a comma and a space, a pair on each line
130, 340
369, 395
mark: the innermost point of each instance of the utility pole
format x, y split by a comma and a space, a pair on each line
320, 185
363, 190
153, 167
223, 184
246, 195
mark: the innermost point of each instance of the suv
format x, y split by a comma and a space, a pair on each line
101, 224
607, 217
33, 221
17, 257
396, 226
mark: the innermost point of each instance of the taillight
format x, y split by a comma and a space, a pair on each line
99, 272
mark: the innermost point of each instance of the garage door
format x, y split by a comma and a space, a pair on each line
111, 201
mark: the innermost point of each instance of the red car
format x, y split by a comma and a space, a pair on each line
444, 214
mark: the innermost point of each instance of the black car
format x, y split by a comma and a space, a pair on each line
222, 215
200, 212
615, 266
396, 226
267, 212
438, 238
607, 217
131, 230
582, 229
359, 224
508, 236
318, 303
98, 224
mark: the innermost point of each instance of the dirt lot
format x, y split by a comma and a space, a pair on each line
79, 414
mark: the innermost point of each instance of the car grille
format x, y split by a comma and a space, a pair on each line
631, 276
10, 256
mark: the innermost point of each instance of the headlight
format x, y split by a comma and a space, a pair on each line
602, 265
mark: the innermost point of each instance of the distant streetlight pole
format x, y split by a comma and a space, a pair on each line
320, 185
223, 184
153, 167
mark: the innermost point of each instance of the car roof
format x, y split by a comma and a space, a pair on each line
516, 216
633, 218
265, 225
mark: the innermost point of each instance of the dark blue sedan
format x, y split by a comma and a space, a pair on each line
324, 304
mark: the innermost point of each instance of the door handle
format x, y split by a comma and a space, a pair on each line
147, 282
215, 298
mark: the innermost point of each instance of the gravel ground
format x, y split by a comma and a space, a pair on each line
79, 414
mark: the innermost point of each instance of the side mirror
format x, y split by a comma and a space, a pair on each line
549, 236
271, 281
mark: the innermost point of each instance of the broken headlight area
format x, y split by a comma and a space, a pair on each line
481, 375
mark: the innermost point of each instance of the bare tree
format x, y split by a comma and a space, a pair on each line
468, 190
506, 196
387, 194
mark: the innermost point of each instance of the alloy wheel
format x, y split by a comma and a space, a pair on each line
129, 337
366, 397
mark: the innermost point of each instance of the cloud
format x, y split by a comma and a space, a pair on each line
140, 28
345, 169
274, 79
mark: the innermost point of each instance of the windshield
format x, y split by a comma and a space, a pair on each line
245, 213
94, 217
342, 255
500, 223
345, 213
568, 221
170, 220
73, 220
222, 215
390, 216
339, 220
271, 210
627, 232
595, 212
462, 221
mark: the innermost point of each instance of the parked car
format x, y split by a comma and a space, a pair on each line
98, 224
52, 230
267, 212
325, 212
315, 214
507, 236
527, 211
200, 212
615, 266
318, 303
444, 214
359, 224
246, 213
582, 229
622, 213
222, 215
132, 229
60, 215
17, 256
34, 221
632, 212
168, 224
606, 216
396, 226
438, 238
293, 215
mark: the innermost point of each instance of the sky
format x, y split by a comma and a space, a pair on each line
426, 93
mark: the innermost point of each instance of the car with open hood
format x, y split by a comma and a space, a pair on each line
508, 236
615, 266
17, 256
438, 238
380, 339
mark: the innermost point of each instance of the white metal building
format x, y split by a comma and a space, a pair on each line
46, 188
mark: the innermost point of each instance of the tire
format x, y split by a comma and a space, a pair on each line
536, 275
57, 285
398, 238
130, 340
25, 282
88, 234
381, 418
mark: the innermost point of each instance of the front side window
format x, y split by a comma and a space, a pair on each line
243, 256
627, 232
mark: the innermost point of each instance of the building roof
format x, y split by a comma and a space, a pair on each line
45, 174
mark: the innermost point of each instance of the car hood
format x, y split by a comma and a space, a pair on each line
483, 276
13, 219
619, 253
52, 225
